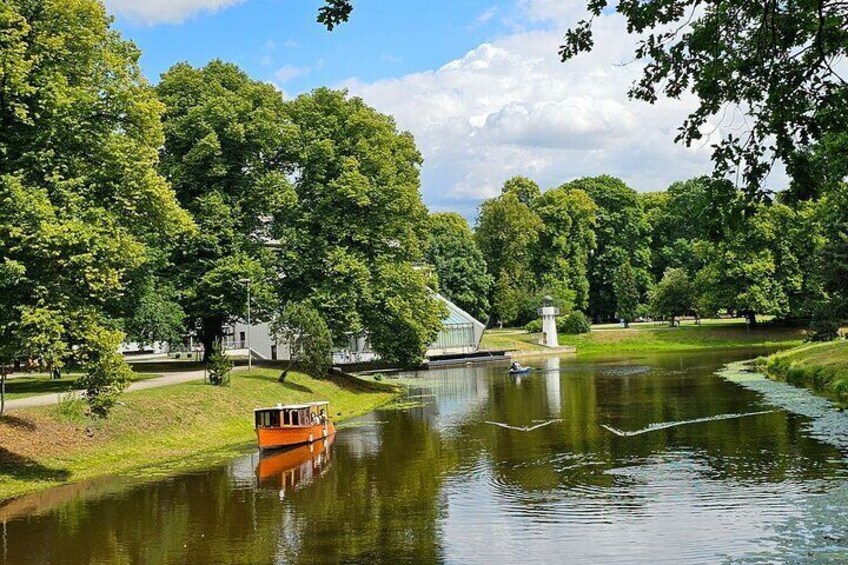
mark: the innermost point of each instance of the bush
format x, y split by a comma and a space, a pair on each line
533, 327
219, 366
574, 323
824, 329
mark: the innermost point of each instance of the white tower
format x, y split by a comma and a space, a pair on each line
549, 312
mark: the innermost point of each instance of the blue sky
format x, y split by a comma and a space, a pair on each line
279, 40
477, 82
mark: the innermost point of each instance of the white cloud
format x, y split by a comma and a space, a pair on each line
484, 17
165, 11
511, 107
285, 74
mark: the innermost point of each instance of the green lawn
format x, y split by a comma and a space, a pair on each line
36, 384
651, 337
822, 366
169, 428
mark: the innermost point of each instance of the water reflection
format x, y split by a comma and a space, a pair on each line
435, 483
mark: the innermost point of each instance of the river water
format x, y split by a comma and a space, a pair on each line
475, 466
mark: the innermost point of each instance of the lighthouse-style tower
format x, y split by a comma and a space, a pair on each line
549, 312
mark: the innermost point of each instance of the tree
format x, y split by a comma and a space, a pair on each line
356, 227
228, 151
833, 264
525, 189
760, 266
220, 365
458, 263
775, 60
566, 240
82, 209
622, 235
673, 296
507, 233
627, 295
308, 338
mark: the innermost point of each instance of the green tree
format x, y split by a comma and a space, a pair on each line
357, 227
627, 295
566, 240
507, 233
459, 263
673, 296
757, 55
622, 235
228, 150
305, 333
525, 189
83, 212
220, 365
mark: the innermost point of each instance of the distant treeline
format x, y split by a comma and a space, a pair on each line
701, 247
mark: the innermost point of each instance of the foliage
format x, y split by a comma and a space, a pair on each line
310, 344
673, 296
566, 239
622, 236
627, 295
533, 326
219, 365
459, 264
526, 190
356, 227
755, 55
228, 150
82, 209
157, 316
507, 233
573, 324
105, 373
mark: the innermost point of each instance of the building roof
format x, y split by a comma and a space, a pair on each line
293, 406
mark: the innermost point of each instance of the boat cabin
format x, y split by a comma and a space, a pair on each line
291, 415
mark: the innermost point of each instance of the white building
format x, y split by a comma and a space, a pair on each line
460, 334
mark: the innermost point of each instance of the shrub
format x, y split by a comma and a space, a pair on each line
219, 366
824, 329
534, 326
574, 323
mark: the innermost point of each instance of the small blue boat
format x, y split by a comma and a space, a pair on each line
519, 369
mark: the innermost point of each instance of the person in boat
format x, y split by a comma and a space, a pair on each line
516, 366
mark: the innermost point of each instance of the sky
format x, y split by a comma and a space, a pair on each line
478, 83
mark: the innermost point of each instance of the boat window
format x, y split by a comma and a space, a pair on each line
268, 419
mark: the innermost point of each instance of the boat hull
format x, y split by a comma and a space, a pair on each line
276, 438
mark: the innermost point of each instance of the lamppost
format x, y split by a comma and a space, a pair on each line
249, 351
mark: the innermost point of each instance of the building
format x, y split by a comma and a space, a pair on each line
461, 333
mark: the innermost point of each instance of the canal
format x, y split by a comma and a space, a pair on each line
635, 459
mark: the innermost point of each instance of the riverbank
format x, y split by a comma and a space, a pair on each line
650, 337
44, 447
820, 366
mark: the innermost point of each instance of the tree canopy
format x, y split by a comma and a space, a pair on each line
83, 211
459, 264
227, 151
356, 227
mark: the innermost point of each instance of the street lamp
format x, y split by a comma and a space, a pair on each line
249, 351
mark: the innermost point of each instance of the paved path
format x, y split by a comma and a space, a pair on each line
166, 379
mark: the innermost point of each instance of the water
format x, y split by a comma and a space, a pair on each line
431, 481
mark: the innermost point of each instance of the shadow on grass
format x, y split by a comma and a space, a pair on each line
19, 467
350, 382
33, 386
15, 422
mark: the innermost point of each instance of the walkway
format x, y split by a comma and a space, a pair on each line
167, 379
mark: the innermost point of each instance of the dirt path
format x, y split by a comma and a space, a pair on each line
167, 379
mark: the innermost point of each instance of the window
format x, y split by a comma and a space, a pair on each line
268, 419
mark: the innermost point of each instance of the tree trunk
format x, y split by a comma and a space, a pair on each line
212, 330
752, 318
2, 390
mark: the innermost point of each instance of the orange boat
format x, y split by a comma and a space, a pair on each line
293, 424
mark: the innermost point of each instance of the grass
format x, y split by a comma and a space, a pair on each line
649, 337
820, 366
166, 427
34, 385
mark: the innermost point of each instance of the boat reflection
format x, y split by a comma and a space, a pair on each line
289, 469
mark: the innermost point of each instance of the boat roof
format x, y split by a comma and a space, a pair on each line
294, 406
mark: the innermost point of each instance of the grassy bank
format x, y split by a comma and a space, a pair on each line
821, 366
44, 447
653, 338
